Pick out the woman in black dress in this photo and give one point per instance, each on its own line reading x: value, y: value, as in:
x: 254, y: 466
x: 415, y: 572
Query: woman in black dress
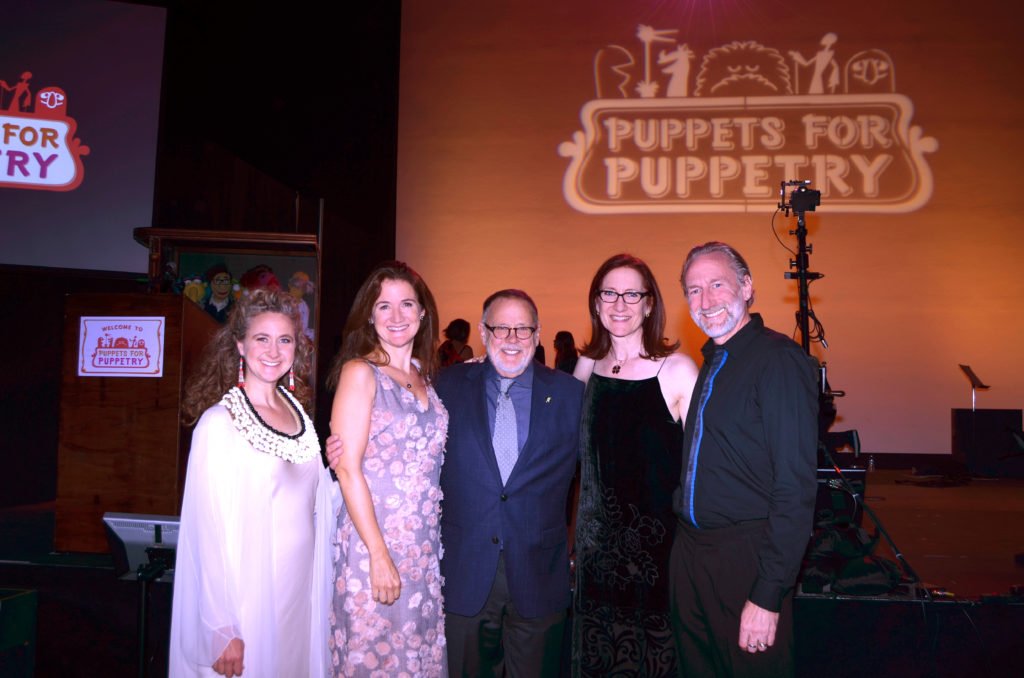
x: 638, y: 391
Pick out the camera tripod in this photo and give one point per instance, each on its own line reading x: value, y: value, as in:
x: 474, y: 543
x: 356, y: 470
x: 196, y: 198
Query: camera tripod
x: 803, y: 199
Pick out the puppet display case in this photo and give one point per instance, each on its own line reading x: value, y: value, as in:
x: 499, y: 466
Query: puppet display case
x: 195, y: 264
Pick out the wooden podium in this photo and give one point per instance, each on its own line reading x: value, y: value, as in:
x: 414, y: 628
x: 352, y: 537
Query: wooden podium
x: 121, y: 446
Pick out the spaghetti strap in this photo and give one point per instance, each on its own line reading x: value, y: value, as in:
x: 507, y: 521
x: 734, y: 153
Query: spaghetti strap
x: 663, y: 361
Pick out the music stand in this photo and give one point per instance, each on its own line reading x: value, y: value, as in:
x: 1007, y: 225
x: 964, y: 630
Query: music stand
x: 976, y: 384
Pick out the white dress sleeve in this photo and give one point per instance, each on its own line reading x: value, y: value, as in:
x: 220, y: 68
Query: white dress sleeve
x: 205, y: 613
x: 327, y: 508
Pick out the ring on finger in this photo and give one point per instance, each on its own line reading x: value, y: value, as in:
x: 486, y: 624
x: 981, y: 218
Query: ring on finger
x: 761, y: 645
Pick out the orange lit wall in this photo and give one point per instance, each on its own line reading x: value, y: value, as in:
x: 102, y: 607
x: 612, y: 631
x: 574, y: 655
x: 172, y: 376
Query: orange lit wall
x: 921, y: 265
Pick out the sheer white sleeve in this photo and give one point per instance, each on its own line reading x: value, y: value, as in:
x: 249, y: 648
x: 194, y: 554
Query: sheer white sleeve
x: 328, y: 505
x: 206, y: 614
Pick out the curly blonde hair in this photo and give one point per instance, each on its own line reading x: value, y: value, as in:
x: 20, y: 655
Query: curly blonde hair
x: 217, y: 371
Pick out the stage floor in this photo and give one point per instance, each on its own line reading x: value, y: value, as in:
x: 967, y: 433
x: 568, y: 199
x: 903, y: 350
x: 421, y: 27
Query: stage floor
x: 959, y: 538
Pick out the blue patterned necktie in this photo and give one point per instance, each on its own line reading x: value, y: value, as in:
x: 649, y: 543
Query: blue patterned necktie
x: 506, y: 434
x: 717, y: 360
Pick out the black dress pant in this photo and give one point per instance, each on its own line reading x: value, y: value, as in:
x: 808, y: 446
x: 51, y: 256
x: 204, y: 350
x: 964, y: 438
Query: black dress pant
x: 712, y: 572
x: 499, y: 642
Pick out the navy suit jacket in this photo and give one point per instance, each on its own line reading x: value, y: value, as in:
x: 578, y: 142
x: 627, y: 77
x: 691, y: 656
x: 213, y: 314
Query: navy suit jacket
x: 527, y: 515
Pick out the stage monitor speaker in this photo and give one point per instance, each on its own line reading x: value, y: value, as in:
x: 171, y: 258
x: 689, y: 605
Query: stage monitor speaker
x: 984, y: 440
x: 834, y: 504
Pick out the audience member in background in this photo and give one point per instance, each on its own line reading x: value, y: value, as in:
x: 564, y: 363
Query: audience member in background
x: 566, y: 354
x: 455, y: 349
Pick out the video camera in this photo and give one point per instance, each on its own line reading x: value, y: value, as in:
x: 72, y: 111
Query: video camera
x: 801, y: 197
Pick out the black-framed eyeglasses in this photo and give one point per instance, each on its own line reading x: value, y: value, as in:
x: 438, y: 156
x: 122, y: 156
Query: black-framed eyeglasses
x: 630, y: 297
x: 502, y: 332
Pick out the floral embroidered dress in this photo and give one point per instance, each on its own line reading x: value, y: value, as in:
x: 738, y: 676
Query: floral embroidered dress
x: 630, y: 456
x: 402, y: 465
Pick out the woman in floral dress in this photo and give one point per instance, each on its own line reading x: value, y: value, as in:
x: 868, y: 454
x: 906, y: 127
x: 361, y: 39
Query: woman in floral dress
x: 388, y: 616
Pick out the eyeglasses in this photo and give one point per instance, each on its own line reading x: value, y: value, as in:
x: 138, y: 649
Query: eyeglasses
x: 630, y: 297
x: 502, y: 332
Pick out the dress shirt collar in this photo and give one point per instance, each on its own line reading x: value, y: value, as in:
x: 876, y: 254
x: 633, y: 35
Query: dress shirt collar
x: 738, y: 342
x: 524, y: 380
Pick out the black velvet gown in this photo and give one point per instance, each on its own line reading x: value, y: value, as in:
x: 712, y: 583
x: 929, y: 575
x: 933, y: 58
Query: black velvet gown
x: 631, y: 450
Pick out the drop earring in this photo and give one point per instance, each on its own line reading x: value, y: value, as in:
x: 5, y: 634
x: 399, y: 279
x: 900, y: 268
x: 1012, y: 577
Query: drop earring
x: 241, y: 372
x: 291, y: 379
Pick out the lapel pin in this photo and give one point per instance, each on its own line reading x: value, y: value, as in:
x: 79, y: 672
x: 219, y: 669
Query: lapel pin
x: 548, y: 399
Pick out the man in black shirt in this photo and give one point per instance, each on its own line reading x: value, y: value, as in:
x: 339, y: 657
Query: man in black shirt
x: 746, y: 496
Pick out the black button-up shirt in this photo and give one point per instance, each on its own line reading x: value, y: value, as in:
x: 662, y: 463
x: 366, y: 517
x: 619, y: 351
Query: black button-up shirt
x: 758, y: 450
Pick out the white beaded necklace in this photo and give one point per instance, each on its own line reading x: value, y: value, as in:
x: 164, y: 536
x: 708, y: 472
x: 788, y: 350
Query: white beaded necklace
x: 297, y: 449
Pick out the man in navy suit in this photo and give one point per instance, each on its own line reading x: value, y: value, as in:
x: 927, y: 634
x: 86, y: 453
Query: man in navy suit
x: 503, y: 524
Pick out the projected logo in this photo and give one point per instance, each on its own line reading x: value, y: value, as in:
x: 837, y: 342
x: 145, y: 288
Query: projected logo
x: 38, y: 147
x: 664, y: 136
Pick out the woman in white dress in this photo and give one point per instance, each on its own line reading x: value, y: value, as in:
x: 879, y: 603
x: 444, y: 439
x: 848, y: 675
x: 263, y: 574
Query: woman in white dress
x: 252, y: 576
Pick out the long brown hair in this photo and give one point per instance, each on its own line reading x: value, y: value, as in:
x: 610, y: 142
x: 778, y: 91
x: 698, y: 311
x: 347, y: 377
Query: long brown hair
x: 360, y: 338
x: 218, y: 369
x: 655, y: 343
